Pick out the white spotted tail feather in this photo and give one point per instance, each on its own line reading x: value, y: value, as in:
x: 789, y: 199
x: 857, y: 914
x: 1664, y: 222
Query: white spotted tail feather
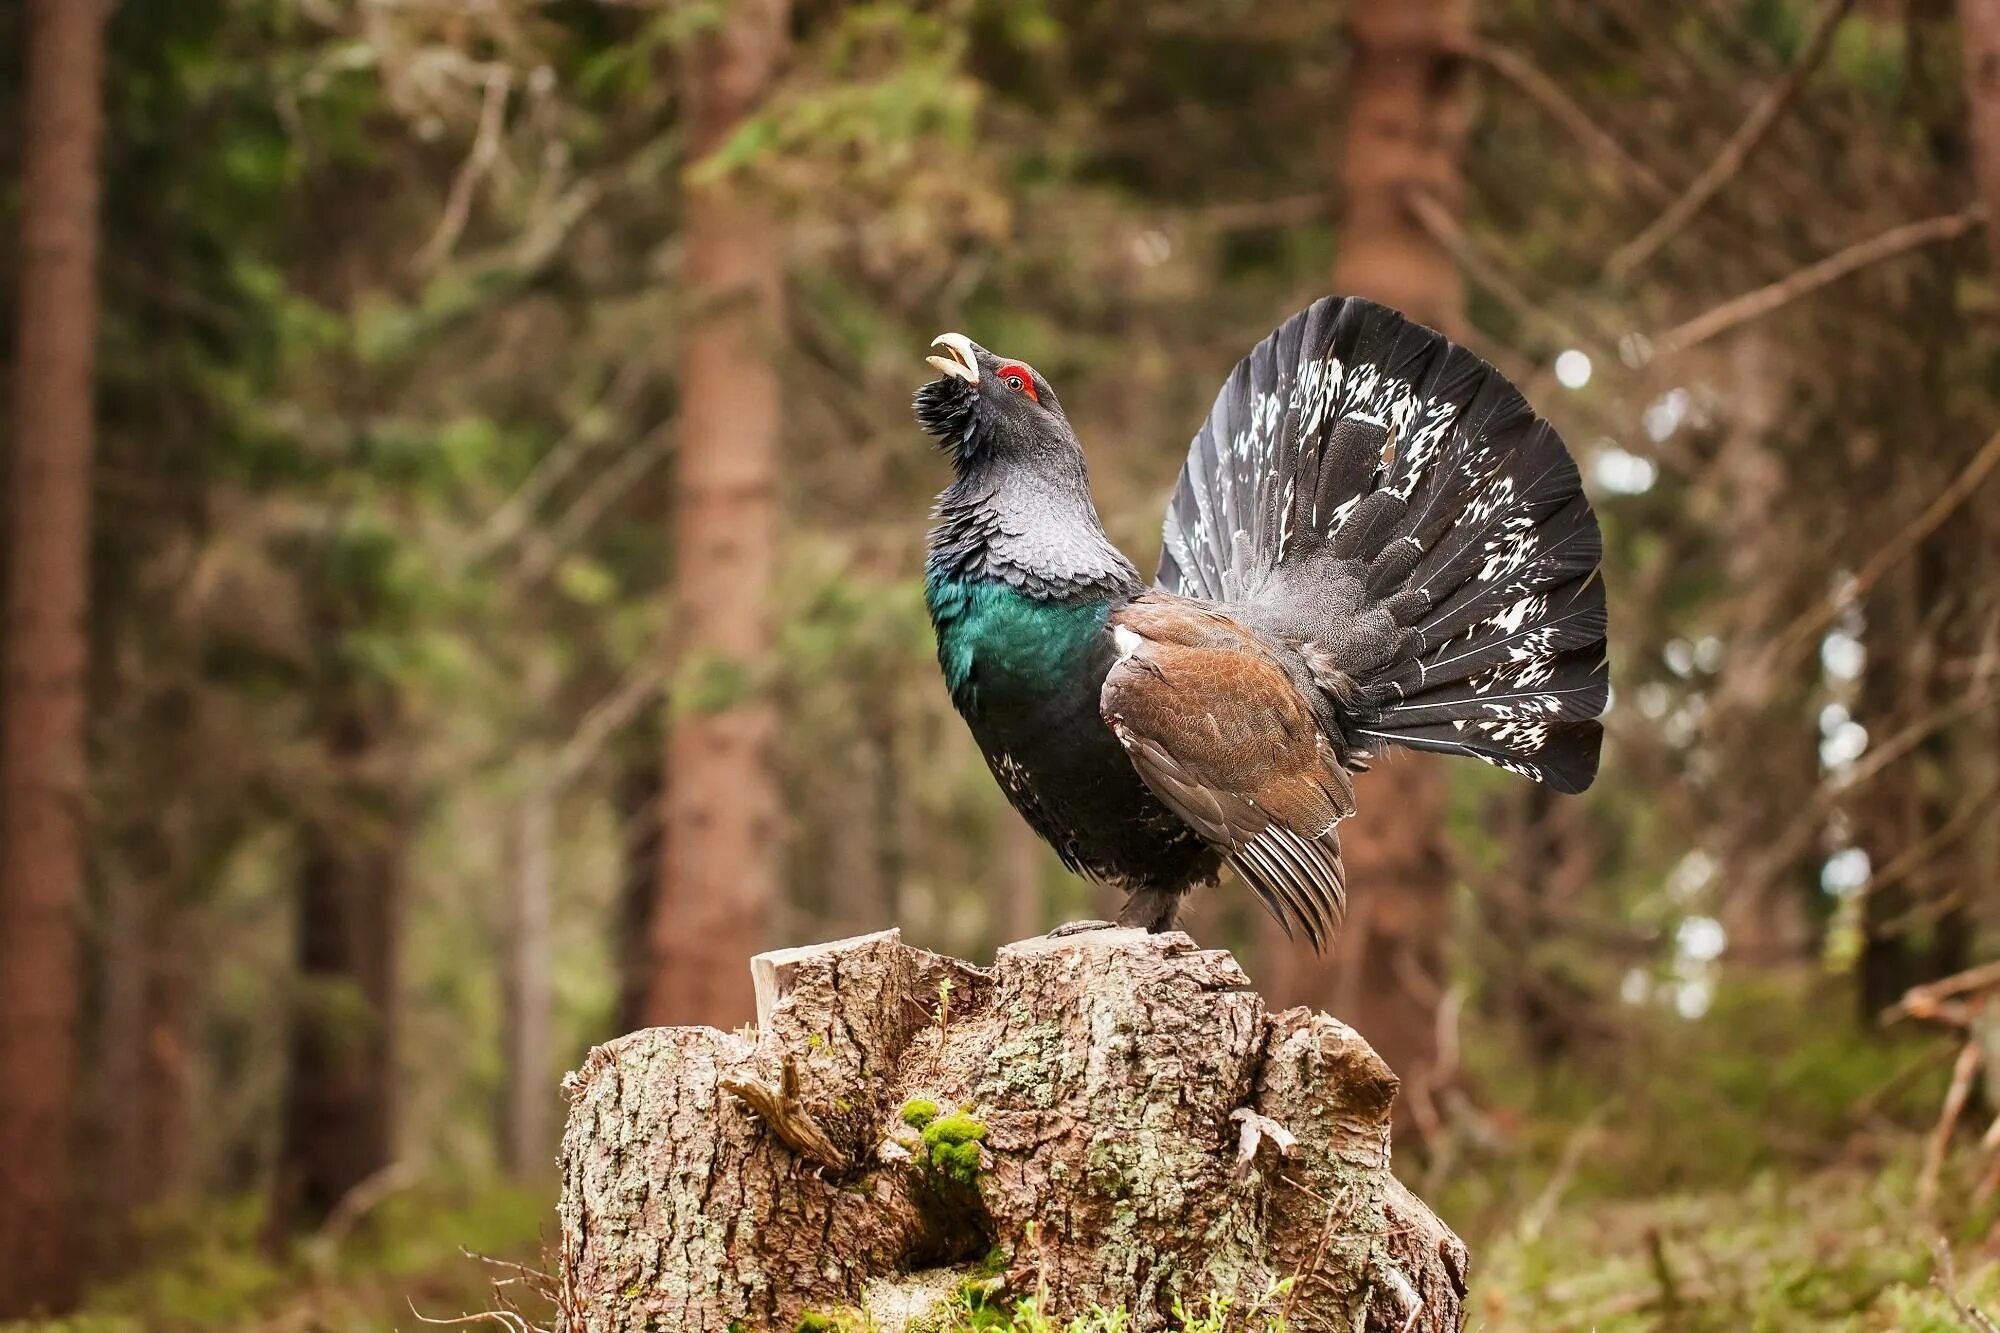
x: 1387, y: 504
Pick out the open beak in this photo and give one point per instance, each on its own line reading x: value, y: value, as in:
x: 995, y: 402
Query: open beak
x: 959, y: 365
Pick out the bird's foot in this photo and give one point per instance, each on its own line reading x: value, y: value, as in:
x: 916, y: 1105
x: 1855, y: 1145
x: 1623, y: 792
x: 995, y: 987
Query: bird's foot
x: 1068, y: 928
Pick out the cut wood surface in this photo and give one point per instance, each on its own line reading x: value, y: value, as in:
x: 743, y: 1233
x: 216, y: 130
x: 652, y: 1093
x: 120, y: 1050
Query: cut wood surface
x: 1107, y: 1118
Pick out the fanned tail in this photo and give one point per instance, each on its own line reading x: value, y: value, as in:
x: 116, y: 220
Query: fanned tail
x: 1388, y: 503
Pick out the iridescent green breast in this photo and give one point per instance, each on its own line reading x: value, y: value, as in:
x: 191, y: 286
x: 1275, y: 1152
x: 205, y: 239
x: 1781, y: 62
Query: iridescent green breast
x: 993, y: 638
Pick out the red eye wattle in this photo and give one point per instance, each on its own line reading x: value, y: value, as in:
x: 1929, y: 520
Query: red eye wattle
x: 1017, y: 377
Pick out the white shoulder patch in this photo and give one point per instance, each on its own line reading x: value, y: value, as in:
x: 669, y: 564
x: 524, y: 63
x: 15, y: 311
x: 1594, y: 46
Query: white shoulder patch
x: 1128, y: 641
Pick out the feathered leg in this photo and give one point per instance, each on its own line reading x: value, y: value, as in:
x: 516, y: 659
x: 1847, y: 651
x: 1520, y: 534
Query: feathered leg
x: 1152, y: 910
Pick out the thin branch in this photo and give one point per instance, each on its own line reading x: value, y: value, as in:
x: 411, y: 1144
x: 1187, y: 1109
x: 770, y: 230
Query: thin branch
x: 1579, y: 1141
x: 1542, y: 90
x: 1486, y: 270
x: 485, y: 150
x: 1924, y: 1001
x: 590, y: 429
x: 1946, y: 1281
x: 1748, y: 138
x: 1934, y: 844
x: 1892, y: 553
x: 1955, y: 1098
x: 1285, y: 211
x: 610, y: 486
x: 606, y: 719
x: 1807, y: 824
x: 1756, y: 304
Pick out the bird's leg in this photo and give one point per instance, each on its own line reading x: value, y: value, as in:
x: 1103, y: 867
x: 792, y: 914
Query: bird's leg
x: 1152, y: 910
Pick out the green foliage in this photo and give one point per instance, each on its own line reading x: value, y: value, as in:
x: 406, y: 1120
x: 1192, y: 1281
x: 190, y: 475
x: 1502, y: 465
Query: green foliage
x: 1690, y: 1106
x: 1836, y: 1250
x: 837, y: 1322
x: 1214, y: 1313
x: 711, y: 684
x: 919, y: 1112
x: 213, y: 1270
x: 310, y: 422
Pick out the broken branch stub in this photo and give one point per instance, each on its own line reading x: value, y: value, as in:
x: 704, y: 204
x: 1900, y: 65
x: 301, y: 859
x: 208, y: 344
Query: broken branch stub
x: 1113, y: 1117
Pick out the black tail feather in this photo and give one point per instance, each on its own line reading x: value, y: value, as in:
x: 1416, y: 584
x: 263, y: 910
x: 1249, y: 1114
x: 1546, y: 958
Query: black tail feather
x: 1367, y: 488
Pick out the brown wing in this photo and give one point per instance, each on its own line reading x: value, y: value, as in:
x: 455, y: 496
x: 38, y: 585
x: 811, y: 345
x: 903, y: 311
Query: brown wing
x: 1218, y: 732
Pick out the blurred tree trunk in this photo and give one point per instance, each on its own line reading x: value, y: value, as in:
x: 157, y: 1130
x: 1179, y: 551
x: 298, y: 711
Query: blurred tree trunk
x: 531, y: 1082
x: 636, y: 800
x: 1405, y: 134
x: 1021, y: 858
x: 339, y: 1098
x: 1765, y: 918
x: 145, y: 1008
x: 42, y: 761
x: 719, y: 868
x: 1979, y: 37
x: 885, y: 906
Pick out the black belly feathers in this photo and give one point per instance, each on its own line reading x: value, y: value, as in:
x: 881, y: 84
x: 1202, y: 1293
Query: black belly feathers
x: 1374, y: 541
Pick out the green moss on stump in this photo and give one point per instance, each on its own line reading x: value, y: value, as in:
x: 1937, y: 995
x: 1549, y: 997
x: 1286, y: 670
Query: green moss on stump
x: 953, y: 1143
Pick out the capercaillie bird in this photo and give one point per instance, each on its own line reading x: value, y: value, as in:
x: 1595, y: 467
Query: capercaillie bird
x: 1374, y: 541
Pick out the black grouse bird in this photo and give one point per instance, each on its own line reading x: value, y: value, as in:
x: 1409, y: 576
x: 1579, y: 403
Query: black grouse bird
x: 1374, y: 541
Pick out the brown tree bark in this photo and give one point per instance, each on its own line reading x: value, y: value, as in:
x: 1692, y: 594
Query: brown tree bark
x: 1405, y: 135
x: 339, y: 1112
x: 1112, y: 1082
x: 636, y: 799
x: 720, y: 864
x: 141, y: 1041
x: 1020, y: 911
x: 42, y: 675
x: 529, y: 1112
x: 1979, y: 39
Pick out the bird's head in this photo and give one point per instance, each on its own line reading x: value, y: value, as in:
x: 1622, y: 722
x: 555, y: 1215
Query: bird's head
x: 984, y: 406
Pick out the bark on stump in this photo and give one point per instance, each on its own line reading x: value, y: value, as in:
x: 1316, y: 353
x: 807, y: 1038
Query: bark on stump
x: 716, y: 1181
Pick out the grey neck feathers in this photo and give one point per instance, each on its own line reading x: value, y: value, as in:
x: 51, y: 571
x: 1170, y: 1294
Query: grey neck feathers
x: 1033, y: 528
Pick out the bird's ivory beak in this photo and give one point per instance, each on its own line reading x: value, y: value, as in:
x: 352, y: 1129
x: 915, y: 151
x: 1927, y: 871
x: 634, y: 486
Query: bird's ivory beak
x: 959, y: 365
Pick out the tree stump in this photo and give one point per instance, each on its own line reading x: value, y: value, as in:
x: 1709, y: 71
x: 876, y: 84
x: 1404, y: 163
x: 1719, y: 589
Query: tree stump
x: 1107, y: 1118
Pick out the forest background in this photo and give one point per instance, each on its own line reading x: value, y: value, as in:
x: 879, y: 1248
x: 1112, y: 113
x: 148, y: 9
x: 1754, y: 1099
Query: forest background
x: 463, y: 550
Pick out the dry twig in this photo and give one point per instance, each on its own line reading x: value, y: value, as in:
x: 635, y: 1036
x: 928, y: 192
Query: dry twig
x: 1751, y: 305
x: 1890, y: 554
x: 1945, y: 1279
x: 1546, y: 93
x: 485, y: 150
x: 1954, y: 1104
x: 781, y: 1109
x: 1749, y: 136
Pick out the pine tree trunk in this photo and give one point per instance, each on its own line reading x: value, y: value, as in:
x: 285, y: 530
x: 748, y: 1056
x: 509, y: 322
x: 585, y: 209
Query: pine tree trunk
x: 1979, y: 38
x: 43, y: 674
x: 529, y: 1108
x: 1022, y: 858
x: 1405, y: 135
x: 140, y: 1039
x: 1889, y: 815
x: 719, y: 874
x: 1109, y: 1082
x: 339, y: 1102
x: 636, y: 800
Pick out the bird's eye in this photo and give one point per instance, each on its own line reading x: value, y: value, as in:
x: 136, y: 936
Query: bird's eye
x: 1018, y: 379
